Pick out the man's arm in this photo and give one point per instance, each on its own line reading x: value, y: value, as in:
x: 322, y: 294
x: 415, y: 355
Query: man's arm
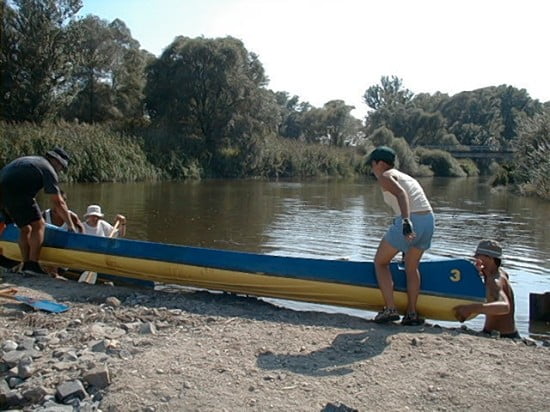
x: 498, y: 307
x: 76, y: 221
x: 60, y: 206
x: 391, y: 185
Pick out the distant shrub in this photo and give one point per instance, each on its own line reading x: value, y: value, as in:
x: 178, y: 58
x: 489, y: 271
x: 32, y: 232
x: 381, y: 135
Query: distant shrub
x: 407, y: 159
x: 469, y: 167
x: 289, y: 158
x: 441, y: 162
x: 532, y: 161
x: 381, y: 137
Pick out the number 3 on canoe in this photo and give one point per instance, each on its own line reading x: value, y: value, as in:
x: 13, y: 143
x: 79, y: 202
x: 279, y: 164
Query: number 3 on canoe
x: 455, y: 275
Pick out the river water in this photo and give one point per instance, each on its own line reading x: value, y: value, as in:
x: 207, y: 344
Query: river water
x: 333, y: 219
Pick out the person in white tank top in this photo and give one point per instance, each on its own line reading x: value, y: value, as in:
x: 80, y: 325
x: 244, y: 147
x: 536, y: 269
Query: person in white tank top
x: 94, y: 224
x: 51, y: 217
x: 411, y: 233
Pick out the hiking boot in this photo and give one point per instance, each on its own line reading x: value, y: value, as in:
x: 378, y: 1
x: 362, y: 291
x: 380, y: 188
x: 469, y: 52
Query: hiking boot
x: 412, y: 319
x: 387, y: 315
x: 33, y: 268
x: 7, y: 262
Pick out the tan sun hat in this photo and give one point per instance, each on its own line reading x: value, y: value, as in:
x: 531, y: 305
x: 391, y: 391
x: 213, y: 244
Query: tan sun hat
x: 94, y: 210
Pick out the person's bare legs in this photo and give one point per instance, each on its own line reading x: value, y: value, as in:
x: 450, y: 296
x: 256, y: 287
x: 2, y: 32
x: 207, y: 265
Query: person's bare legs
x: 31, y: 239
x: 382, y: 259
x: 412, y: 260
x: 24, y: 241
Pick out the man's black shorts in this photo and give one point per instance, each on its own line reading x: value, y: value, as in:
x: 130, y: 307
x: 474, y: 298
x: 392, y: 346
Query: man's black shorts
x: 21, y: 210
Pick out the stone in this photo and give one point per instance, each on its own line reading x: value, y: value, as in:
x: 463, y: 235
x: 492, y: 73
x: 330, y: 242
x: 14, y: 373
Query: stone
x: 15, y: 381
x: 98, y: 377
x: 35, y: 394
x: 9, y: 346
x: 112, y: 302
x: 27, y: 343
x: 24, y: 371
x: 69, y: 390
x: 148, y: 329
x: 12, y: 358
x: 99, y: 346
x: 14, y: 398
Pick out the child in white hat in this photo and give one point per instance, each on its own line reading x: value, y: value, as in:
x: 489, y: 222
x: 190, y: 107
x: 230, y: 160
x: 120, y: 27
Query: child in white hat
x: 94, y: 224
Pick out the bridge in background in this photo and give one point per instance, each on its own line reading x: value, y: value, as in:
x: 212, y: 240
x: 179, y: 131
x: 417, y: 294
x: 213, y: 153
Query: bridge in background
x: 475, y: 152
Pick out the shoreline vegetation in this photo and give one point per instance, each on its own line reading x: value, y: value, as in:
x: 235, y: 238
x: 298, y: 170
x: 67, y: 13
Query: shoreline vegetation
x: 203, y: 108
x: 116, y: 156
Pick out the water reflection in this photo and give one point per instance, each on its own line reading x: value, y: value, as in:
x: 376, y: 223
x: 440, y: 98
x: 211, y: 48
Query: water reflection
x: 331, y: 219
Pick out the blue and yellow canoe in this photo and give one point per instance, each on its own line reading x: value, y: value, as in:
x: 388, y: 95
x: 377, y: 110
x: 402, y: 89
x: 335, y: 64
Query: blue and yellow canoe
x: 445, y: 283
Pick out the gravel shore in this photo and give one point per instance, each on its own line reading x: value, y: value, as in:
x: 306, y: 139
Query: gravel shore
x: 128, y: 349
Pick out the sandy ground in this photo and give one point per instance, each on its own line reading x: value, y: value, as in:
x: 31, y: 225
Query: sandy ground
x: 220, y: 352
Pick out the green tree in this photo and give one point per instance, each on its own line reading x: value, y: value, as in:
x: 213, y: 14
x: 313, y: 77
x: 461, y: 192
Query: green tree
x: 212, y: 91
x: 109, y: 78
x: 388, y: 93
x: 35, y: 57
x: 341, y: 126
x: 292, y: 113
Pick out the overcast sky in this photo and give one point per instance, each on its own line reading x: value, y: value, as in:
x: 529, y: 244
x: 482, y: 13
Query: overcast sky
x: 323, y: 50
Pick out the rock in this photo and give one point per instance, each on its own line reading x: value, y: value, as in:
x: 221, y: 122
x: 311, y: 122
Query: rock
x: 97, y: 331
x: 27, y: 343
x: 131, y: 326
x: 529, y: 341
x: 35, y: 394
x: 340, y: 407
x: 12, y: 358
x: 9, y: 346
x: 70, y: 390
x: 24, y: 371
x: 148, y: 329
x: 4, y: 390
x: 15, y: 381
x: 112, y: 302
x: 14, y: 398
x: 51, y: 406
x: 98, y: 377
x: 99, y: 346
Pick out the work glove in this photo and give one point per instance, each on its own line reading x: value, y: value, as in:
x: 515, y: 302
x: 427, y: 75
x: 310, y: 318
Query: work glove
x: 407, y: 227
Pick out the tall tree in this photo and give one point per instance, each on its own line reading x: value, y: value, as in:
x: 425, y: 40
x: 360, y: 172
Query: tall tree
x: 34, y: 61
x: 388, y: 93
x: 340, y: 124
x: 211, y: 90
x: 109, y: 76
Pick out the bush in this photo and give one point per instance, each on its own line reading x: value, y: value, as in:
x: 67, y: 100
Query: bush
x: 97, y: 153
x: 469, y: 167
x: 289, y: 158
x: 441, y: 162
x: 532, y: 162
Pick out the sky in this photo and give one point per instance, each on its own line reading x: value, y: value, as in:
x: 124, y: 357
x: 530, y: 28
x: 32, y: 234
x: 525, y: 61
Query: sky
x: 323, y: 50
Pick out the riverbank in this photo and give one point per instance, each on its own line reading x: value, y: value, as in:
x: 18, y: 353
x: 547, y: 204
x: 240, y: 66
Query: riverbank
x: 124, y: 349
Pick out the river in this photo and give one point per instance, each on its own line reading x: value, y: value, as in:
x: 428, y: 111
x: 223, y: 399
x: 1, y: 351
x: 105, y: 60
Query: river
x: 333, y: 219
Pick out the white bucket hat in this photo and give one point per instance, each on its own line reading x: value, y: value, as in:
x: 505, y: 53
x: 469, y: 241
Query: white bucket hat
x: 94, y: 210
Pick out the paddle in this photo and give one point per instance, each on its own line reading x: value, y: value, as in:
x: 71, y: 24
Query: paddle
x: 89, y: 276
x: 39, y: 304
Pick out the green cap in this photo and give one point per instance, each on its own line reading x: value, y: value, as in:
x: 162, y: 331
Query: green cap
x: 383, y: 153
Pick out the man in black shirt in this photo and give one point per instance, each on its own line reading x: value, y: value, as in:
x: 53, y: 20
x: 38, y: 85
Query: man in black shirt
x: 20, y: 181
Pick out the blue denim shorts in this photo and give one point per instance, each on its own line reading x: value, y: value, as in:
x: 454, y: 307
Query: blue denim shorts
x: 423, y: 225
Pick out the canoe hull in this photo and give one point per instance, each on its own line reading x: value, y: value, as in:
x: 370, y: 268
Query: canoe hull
x: 445, y: 283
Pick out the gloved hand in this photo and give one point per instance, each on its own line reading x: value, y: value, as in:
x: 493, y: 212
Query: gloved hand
x: 408, y: 228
